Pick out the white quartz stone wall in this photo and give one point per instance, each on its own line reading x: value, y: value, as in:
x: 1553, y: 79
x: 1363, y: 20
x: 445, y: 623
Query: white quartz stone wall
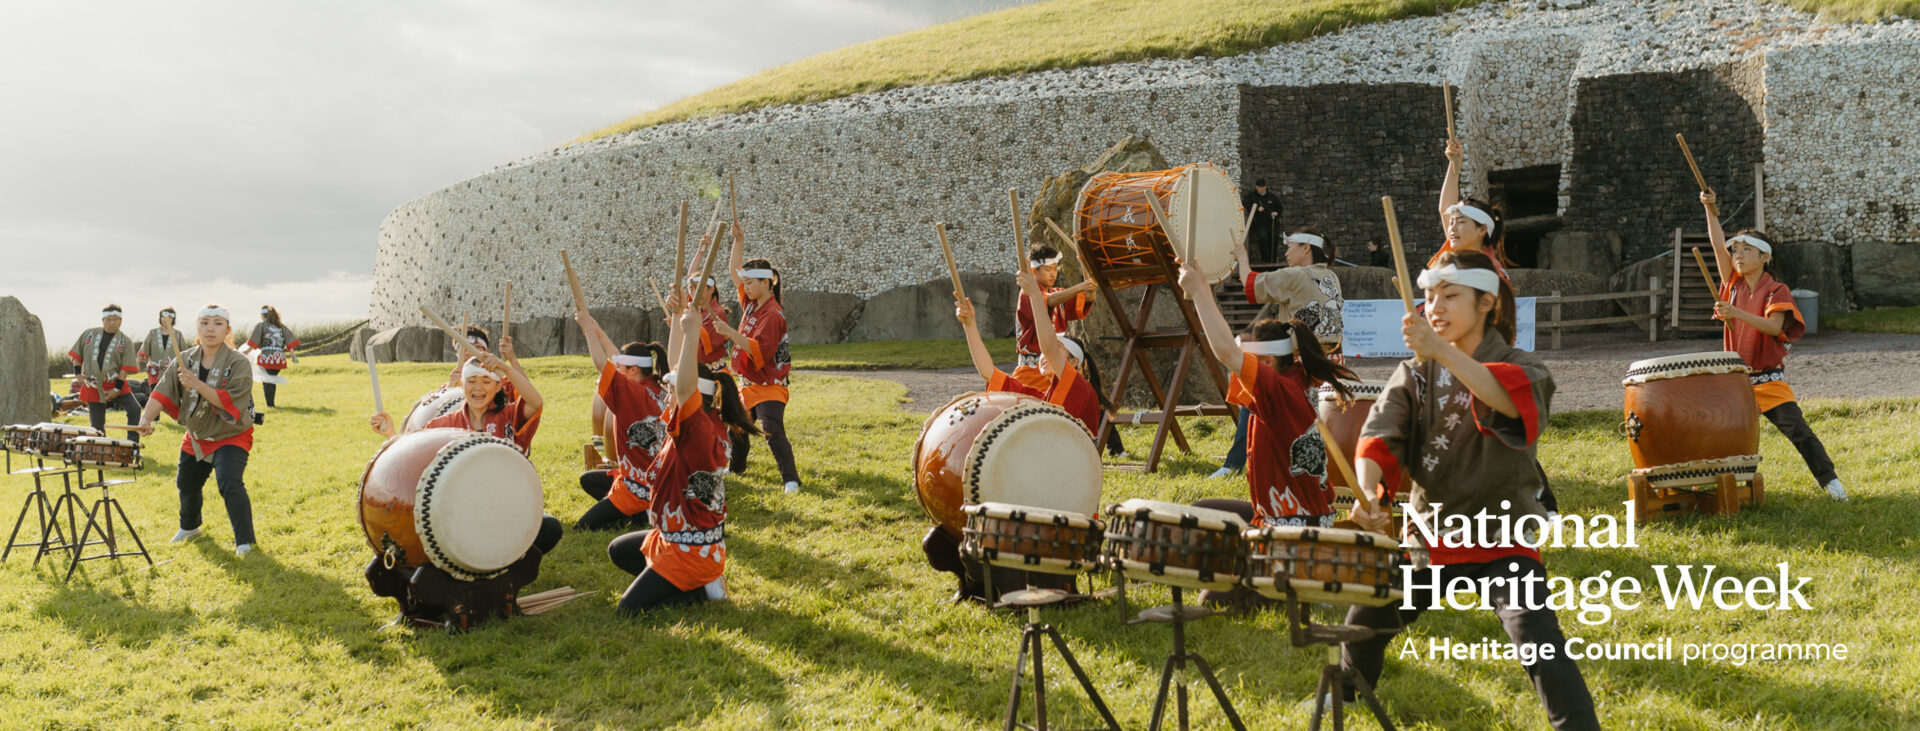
x: 1843, y: 142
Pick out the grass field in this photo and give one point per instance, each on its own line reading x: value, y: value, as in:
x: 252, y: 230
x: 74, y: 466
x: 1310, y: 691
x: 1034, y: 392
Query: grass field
x: 916, y: 355
x: 1901, y: 320
x: 1066, y: 34
x: 837, y: 622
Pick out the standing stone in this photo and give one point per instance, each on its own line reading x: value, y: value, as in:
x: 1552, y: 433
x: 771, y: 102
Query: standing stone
x: 23, y: 366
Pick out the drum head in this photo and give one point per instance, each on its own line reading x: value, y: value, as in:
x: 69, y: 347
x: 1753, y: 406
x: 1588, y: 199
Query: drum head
x: 1163, y: 512
x: 479, y: 505
x: 1036, y: 455
x: 1685, y: 364
x: 1361, y: 390
x: 1219, y: 224
x: 432, y: 406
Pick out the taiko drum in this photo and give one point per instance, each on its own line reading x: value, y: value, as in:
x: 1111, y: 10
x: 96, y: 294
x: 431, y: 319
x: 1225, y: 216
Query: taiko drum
x: 1117, y: 231
x: 1686, y: 408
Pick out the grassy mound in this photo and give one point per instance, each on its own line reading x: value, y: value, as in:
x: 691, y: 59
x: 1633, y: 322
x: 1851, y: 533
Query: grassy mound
x: 837, y: 622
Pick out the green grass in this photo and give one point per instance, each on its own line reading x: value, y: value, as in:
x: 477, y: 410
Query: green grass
x: 919, y: 355
x: 1857, y: 10
x: 1905, y: 320
x: 1052, y: 35
x: 837, y: 622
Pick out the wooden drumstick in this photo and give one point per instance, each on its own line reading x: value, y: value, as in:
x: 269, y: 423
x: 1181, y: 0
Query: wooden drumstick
x: 1446, y: 93
x: 947, y: 249
x: 1702, y: 263
x: 656, y: 294
x: 1401, y: 281
x: 506, y: 315
x: 573, y: 282
x: 1339, y: 457
x: 1697, y: 177
x: 1072, y: 245
x: 466, y: 348
x: 1193, y: 210
x: 1019, y: 237
x: 706, y: 272
x: 373, y: 374
x: 680, y: 255
x: 733, y: 203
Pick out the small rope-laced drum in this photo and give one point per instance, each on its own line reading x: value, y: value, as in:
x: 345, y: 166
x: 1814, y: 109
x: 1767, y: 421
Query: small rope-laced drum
x: 432, y: 406
x: 1031, y: 539
x: 1119, y: 234
x: 1332, y: 565
x: 466, y: 502
x: 1691, y: 418
x: 104, y: 452
x: 998, y: 447
x: 50, y: 440
x: 1174, y: 544
x: 15, y: 437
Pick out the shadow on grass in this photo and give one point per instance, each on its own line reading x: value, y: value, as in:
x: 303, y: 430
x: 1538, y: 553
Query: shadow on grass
x: 122, y: 617
x: 300, y: 410
x: 299, y: 602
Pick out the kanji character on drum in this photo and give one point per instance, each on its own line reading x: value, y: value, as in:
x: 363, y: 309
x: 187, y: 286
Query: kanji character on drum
x: 157, y: 348
x: 760, y: 358
x: 1064, y: 305
x: 683, y: 557
x: 1061, y: 361
x: 273, y: 344
x: 1761, y: 321
x: 1463, y: 420
x: 630, y: 386
x: 487, y: 410
x: 210, y: 393
x: 102, y: 357
x: 1273, y: 365
x: 1305, y: 290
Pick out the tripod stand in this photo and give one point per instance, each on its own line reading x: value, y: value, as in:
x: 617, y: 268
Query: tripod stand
x: 1334, y: 677
x: 1030, y: 636
x: 1177, y: 614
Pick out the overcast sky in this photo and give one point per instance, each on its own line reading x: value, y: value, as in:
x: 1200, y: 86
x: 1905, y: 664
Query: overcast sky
x: 177, y: 153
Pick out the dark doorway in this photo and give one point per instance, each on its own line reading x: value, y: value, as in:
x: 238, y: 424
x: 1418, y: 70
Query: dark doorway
x: 1530, y: 199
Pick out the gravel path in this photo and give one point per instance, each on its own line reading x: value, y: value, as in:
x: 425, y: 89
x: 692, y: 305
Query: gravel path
x: 1587, y: 371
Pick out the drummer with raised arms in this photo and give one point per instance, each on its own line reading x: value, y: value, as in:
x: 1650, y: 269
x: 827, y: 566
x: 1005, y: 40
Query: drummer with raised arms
x: 631, y: 387
x: 210, y: 393
x: 1061, y: 361
x: 683, y: 558
x: 486, y: 409
x: 1463, y: 420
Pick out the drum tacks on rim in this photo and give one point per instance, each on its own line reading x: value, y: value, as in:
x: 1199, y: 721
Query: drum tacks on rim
x: 466, y: 502
x: 1690, y: 418
x: 1174, y: 544
x: 999, y: 447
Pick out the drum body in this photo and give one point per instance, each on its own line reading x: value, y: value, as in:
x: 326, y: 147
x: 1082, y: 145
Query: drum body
x: 1174, y: 544
x: 1031, y: 539
x: 1345, y: 419
x: 442, y: 401
x: 1003, y: 447
x: 1118, y: 233
x: 1324, y: 564
x: 1690, y: 418
x: 48, y: 439
x: 104, y: 452
x: 466, y: 502
x: 16, y: 437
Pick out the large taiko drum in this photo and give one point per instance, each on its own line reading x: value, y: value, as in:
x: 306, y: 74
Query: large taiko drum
x: 1691, y: 418
x: 1332, y: 565
x: 1117, y: 230
x: 466, y: 502
x: 442, y: 401
x: 998, y: 447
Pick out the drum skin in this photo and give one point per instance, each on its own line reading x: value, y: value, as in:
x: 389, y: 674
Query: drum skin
x: 1708, y: 416
x: 439, y: 402
x: 940, y: 454
x: 387, y: 491
x: 1117, y: 229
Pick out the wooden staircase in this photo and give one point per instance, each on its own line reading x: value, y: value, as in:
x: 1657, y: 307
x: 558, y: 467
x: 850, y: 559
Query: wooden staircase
x: 1691, y: 315
x: 1231, y: 293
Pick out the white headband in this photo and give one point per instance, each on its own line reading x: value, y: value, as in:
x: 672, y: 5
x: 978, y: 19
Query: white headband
x: 110, y: 312
x: 473, y: 368
x: 220, y: 312
x: 1308, y: 239
x: 1473, y: 212
x: 707, y: 386
x: 1046, y: 262
x: 477, y: 341
x: 1484, y: 280
x: 264, y: 310
x: 637, y: 361
x: 1279, y: 348
x: 1763, y: 246
x: 1073, y: 349
x: 696, y: 280
x: 753, y: 274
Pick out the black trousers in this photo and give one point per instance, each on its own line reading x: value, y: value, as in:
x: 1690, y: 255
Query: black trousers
x: 648, y: 589
x: 550, y: 534
x: 1557, y: 681
x: 1793, y: 425
x: 772, y: 418
x: 604, y: 515
x: 97, y: 413
x: 229, y: 468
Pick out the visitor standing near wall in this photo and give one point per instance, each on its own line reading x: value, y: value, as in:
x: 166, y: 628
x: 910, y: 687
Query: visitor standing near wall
x: 1266, y: 226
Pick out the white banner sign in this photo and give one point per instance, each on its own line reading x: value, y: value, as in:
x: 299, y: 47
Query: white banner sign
x: 1373, y: 327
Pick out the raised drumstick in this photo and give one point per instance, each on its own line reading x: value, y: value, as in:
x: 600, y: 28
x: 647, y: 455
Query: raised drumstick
x: 706, y: 272
x: 947, y: 249
x: 373, y: 374
x: 573, y: 282
x: 1702, y: 263
x: 1019, y: 237
x: 1446, y: 93
x: 1403, y: 280
x: 506, y: 315
x: 1072, y: 245
x: 680, y: 255
x: 466, y: 348
x: 1697, y: 177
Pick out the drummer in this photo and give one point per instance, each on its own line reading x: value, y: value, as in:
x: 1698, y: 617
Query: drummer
x: 1273, y: 365
x: 478, y: 337
x: 683, y: 559
x: 1762, y: 321
x: 210, y: 393
x: 102, y: 357
x: 1463, y: 420
x: 487, y: 409
x: 630, y: 385
x: 158, y: 347
x: 1305, y: 290
x: 1061, y: 359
